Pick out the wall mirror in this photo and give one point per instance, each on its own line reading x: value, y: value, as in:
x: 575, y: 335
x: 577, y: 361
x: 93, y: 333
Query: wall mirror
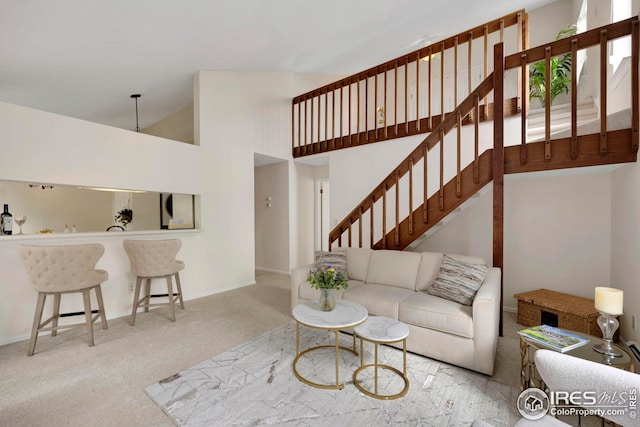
x: 58, y: 208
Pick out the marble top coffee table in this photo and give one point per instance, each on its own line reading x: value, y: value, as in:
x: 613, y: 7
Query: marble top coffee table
x: 382, y: 330
x: 346, y: 314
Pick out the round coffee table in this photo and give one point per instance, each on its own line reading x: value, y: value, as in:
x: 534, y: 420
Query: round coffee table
x: 346, y: 314
x: 382, y: 330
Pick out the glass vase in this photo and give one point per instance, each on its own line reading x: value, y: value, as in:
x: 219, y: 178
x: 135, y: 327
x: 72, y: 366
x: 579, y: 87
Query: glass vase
x: 327, y: 301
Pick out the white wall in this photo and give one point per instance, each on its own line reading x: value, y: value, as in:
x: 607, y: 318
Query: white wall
x: 177, y: 126
x: 49, y: 148
x: 625, y: 244
x: 271, y: 198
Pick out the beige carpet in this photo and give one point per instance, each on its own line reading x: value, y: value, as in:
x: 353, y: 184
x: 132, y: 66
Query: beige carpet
x: 67, y: 383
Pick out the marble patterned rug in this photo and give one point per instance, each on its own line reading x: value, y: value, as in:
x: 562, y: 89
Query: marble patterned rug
x: 254, y: 384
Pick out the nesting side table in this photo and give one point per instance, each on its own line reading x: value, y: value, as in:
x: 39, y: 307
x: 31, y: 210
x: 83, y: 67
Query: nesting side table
x: 382, y: 330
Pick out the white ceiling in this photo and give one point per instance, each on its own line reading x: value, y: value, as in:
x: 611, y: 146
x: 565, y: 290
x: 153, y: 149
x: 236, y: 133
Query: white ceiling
x: 84, y: 58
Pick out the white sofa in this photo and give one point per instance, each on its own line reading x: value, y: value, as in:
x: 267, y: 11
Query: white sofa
x: 393, y: 283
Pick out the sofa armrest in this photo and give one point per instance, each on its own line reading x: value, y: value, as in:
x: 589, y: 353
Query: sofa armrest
x: 298, y: 276
x: 486, y: 320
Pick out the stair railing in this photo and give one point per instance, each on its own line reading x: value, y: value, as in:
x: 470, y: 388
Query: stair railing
x: 417, y: 177
x: 392, y: 200
x: 597, y: 37
x: 388, y: 101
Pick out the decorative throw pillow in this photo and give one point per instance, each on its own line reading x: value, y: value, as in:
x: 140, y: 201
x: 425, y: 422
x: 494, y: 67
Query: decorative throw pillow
x: 458, y: 280
x: 336, y: 259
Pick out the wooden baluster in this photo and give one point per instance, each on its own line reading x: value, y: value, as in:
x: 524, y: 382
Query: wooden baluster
x: 349, y: 134
x: 333, y: 120
x: 502, y: 31
x: 360, y: 228
x: 425, y: 218
x: 397, y: 227
x: 520, y: 75
x: 306, y: 101
x: 395, y: 99
x: 429, y: 90
x: 635, y: 116
x: 547, y: 102
x: 299, y: 126
x: 358, y: 112
x: 293, y: 129
x: 486, y: 68
x: 523, y: 114
x: 442, y: 83
x: 349, y: 234
x: 476, y: 139
x: 340, y: 237
x: 319, y: 114
x: 384, y: 216
x: 441, y: 195
x: 326, y: 119
x: 410, y: 195
x: 312, y: 117
x: 458, y: 160
x: 375, y: 102
x: 406, y: 97
x: 455, y: 72
x: 341, y: 135
x: 366, y: 109
x: 603, y: 92
x: 418, y: 94
x: 385, y: 103
x: 470, y: 80
x: 371, y: 234
x: 574, y: 101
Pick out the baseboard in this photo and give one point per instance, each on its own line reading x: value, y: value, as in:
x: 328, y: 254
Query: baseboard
x: 270, y: 270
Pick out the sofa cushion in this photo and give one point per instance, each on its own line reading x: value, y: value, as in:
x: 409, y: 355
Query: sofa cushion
x: 379, y: 300
x: 336, y: 259
x: 458, y: 280
x: 430, y: 267
x: 428, y: 311
x: 358, y: 263
x: 394, y: 268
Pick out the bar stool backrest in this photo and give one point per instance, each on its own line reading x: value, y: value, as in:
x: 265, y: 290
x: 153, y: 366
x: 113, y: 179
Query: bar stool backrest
x: 63, y: 268
x: 153, y: 258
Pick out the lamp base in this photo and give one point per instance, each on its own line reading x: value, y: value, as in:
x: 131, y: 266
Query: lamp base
x: 607, y: 349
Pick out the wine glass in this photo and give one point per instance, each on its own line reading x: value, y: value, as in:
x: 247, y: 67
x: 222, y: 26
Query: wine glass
x: 20, y: 220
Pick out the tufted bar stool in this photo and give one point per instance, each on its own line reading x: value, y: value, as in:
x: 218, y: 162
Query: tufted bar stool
x: 57, y: 270
x: 155, y: 259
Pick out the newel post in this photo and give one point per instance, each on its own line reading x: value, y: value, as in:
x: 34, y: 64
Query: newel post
x: 498, y: 166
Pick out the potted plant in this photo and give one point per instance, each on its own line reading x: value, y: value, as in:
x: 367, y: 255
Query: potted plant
x: 124, y: 216
x: 560, y: 72
x: 327, y: 279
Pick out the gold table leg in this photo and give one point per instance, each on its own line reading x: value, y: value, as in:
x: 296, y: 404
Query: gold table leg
x: 336, y: 346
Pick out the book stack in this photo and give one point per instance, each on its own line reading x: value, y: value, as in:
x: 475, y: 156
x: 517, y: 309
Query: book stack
x: 553, y: 338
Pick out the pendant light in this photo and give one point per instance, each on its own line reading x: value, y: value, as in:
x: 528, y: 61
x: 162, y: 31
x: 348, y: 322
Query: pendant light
x: 136, y: 96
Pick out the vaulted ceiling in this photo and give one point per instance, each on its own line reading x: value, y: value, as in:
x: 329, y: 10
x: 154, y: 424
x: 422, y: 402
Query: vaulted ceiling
x: 84, y: 58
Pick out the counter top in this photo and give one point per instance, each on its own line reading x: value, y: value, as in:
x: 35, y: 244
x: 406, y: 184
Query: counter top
x: 101, y: 234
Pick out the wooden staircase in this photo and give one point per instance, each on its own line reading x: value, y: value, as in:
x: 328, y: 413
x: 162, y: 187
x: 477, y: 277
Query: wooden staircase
x: 388, y: 218
x: 424, y: 188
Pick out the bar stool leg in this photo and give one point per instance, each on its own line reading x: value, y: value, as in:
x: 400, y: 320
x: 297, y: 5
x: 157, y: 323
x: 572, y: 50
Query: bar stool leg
x: 136, y: 301
x: 87, y: 314
x: 56, y: 314
x: 147, y: 299
x: 37, y: 317
x: 172, y: 309
x: 103, y: 316
x: 179, y: 290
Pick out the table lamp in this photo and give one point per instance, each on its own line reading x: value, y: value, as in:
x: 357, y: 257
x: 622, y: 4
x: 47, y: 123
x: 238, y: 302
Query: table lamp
x: 608, y: 302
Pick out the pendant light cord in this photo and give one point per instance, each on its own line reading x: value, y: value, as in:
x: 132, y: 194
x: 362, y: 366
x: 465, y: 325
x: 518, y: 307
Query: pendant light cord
x: 136, y: 96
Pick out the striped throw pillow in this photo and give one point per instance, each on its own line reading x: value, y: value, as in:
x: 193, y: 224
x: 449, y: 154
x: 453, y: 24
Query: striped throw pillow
x: 336, y: 259
x: 458, y: 280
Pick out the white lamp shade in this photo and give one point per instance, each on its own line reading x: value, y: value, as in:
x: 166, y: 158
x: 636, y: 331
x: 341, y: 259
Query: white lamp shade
x: 609, y: 300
